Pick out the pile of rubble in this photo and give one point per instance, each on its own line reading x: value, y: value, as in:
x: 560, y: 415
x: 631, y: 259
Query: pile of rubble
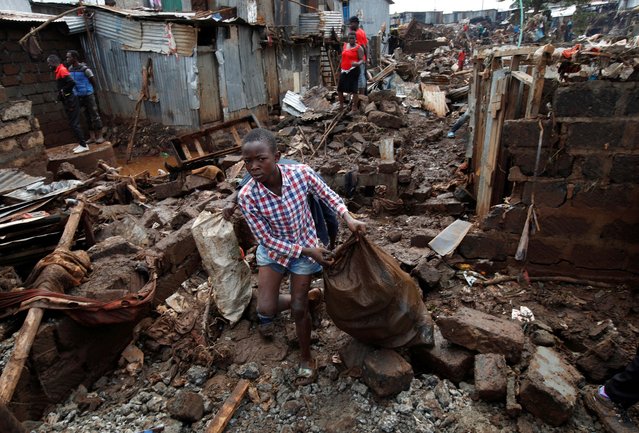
x: 180, y: 366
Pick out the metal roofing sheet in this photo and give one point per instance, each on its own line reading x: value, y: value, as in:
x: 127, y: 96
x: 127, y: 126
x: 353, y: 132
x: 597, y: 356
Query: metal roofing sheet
x: 321, y: 23
x: 74, y: 23
x: 155, y: 38
x: 11, y: 178
x: 126, y: 31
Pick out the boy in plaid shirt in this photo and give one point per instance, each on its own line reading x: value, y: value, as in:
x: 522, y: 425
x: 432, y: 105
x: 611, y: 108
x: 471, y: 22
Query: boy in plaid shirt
x: 276, y: 209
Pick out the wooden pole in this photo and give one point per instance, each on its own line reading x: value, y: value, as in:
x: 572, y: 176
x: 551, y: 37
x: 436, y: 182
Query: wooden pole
x: 144, y: 94
x: 229, y: 407
x: 47, y: 22
x: 26, y: 335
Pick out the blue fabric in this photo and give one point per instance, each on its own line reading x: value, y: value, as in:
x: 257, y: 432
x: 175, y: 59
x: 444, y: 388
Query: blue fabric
x: 300, y: 266
x: 326, y: 223
x: 83, y: 86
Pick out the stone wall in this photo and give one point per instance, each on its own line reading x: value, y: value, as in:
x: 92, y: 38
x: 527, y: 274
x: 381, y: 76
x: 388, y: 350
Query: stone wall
x: 21, y: 141
x: 24, y: 78
x: 587, y: 194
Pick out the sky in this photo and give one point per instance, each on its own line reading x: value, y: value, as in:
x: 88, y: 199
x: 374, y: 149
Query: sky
x: 446, y: 5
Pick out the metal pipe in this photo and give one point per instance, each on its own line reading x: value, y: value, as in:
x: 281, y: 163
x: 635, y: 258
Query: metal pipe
x: 521, y: 22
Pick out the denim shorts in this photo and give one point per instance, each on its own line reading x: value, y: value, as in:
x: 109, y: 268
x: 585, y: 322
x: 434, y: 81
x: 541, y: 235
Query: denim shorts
x: 300, y: 266
x: 362, y: 76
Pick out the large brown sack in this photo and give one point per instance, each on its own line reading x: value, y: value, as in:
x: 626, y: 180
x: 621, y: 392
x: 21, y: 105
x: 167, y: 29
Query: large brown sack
x: 371, y: 298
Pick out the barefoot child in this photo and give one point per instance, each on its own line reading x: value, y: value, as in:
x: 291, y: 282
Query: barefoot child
x: 276, y: 209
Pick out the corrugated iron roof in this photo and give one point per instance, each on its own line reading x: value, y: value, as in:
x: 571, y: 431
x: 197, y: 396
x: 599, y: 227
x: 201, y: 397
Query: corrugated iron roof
x: 321, y: 23
x: 75, y: 24
x: 11, y: 179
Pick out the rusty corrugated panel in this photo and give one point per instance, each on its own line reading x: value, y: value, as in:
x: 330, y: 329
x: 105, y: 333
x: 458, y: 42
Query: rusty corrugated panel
x: 154, y: 38
x: 12, y: 179
x: 75, y: 24
x: 321, y: 23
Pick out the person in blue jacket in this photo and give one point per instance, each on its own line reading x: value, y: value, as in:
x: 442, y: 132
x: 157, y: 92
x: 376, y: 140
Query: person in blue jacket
x: 85, y: 85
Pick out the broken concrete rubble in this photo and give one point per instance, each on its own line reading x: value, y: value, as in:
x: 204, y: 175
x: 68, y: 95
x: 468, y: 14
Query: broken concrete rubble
x: 548, y: 389
x: 483, y: 332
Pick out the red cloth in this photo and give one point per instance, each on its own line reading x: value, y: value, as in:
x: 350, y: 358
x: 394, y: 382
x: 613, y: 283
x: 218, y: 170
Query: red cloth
x: 349, y: 55
x: 361, y: 39
x: 61, y: 71
x: 460, y: 59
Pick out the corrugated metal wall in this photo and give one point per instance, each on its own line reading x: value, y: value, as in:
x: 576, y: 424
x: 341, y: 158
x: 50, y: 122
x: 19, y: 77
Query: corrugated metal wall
x: 174, y: 91
x: 241, y: 73
x: 145, y: 35
x: 371, y: 13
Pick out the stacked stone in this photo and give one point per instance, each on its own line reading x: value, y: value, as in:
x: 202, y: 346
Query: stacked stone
x: 21, y: 141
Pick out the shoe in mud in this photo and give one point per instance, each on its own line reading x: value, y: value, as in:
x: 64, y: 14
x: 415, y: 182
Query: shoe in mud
x: 613, y: 417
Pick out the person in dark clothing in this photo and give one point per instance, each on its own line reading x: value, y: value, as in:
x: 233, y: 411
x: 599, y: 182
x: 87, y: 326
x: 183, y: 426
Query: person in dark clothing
x: 71, y: 103
x: 326, y: 223
x: 611, y: 400
x: 84, y: 89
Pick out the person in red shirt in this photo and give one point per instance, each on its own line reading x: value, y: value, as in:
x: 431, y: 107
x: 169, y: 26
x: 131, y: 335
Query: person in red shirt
x: 70, y: 101
x: 352, y: 59
x: 360, y: 37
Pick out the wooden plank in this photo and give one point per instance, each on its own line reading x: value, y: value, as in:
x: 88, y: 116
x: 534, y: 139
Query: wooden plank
x: 523, y: 77
x: 507, y: 51
x: 494, y: 124
x: 198, y: 147
x: 187, y: 153
x: 537, y: 86
x: 513, y: 89
x: 434, y: 99
x: 236, y: 136
x: 229, y: 407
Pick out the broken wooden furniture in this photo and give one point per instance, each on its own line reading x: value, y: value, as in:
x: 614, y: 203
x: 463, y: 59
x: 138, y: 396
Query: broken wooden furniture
x: 204, y: 147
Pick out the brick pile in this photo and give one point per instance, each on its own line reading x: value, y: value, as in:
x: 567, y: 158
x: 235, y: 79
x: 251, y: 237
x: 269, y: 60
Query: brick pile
x: 21, y: 140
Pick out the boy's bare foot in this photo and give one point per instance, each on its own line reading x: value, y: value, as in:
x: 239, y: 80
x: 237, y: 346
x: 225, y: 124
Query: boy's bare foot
x: 306, y: 373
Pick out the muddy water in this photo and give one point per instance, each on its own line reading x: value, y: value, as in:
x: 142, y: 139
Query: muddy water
x: 141, y: 163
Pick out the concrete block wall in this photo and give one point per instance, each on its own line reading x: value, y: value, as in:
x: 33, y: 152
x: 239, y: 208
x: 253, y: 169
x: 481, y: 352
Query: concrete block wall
x: 587, y: 194
x: 24, y: 78
x: 21, y: 140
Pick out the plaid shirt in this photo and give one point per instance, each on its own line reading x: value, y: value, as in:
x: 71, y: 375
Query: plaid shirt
x: 284, y: 225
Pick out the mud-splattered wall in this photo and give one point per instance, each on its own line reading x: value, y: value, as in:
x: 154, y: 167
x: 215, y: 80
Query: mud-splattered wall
x: 587, y: 192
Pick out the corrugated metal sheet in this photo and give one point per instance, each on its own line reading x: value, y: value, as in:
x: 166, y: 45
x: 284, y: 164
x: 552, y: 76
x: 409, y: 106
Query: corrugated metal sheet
x: 246, y: 9
x: 230, y: 79
x: 16, y: 5
x: 251, y: 67
x: 176, y: 84
x: 372, y: 14
x: 11, y: 179
x: 321, y: 23
x: 154, y: 38
x: 75, y: 24
x: 126, y: 31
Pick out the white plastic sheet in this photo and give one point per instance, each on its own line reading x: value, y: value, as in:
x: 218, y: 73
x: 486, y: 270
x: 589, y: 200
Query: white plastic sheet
x: 228, y: 272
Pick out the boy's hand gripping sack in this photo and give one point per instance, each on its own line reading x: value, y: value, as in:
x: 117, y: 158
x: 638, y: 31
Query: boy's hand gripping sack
x: 371, y: 298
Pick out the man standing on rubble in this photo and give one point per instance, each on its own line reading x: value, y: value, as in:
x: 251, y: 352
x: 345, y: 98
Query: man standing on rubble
x: 276, y: 209
x: 84, y: 89
x: 362, y: 40
x: 71, y: 103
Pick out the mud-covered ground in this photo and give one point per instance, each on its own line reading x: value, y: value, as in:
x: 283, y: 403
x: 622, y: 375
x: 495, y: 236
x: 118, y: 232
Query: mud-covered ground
x: 582, y: 321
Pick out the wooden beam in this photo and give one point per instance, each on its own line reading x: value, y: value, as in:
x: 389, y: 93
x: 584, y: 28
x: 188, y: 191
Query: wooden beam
x: 507, y: 51
x: 538, y: 79
x: 494, y: 123
x: 27, y: 333
x: 229, y: 407
x: 523, y: 77
x: 198, y: 147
